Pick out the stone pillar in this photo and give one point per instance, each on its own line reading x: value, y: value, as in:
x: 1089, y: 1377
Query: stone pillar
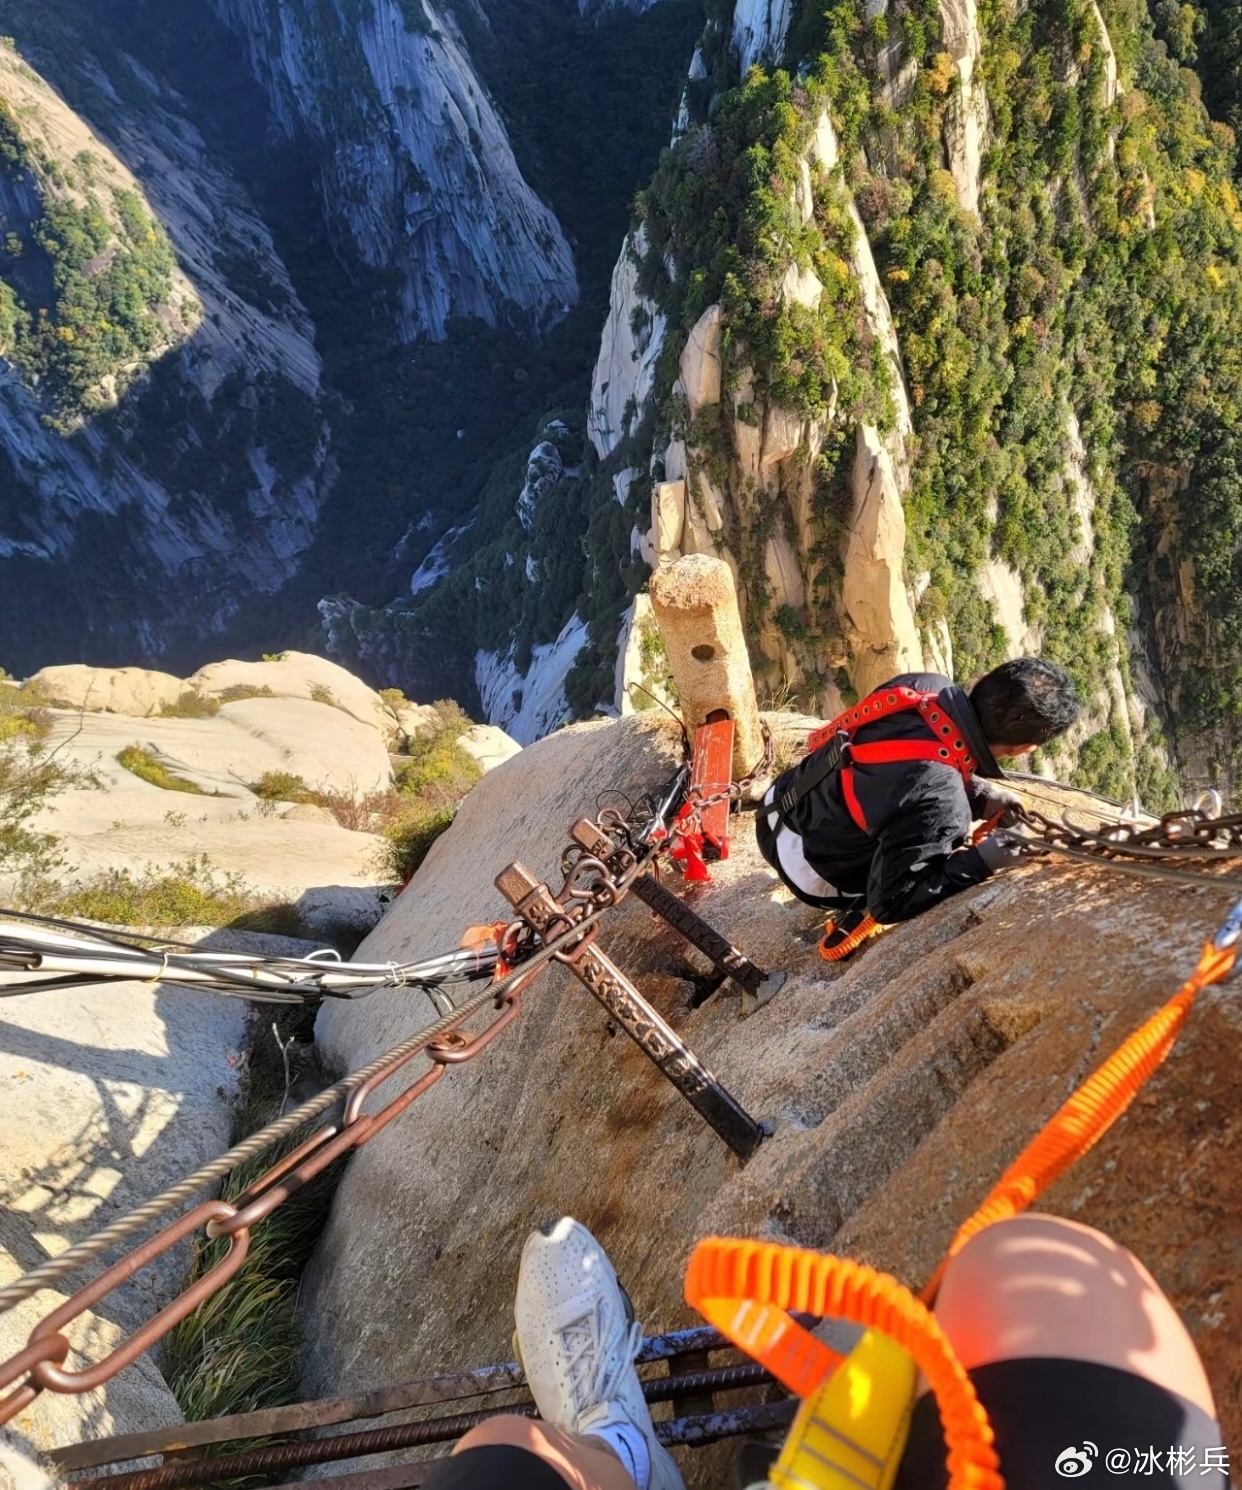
x: 695, y: 602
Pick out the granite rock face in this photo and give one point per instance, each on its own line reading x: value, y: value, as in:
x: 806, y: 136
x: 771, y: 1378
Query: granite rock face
x: 899, y: 1088
x: 419, y: 177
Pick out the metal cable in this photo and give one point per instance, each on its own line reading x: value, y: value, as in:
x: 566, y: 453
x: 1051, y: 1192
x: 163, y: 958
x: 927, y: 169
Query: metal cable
x: 1148, y: 871
x: 69, y: 1261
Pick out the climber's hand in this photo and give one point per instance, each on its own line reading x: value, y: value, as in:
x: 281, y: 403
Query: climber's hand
x: 989, y: 801
x: 1005, y: 849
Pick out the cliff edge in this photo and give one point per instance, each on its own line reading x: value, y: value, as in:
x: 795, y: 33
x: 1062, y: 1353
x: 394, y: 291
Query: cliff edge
x: 898, y: 1089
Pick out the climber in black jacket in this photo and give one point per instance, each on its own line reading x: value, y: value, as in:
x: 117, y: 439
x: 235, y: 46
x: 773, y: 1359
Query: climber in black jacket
x: 883, y: 841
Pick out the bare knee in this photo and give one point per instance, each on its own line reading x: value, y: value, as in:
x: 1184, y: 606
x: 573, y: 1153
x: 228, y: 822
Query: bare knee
x: 1043, y: 1286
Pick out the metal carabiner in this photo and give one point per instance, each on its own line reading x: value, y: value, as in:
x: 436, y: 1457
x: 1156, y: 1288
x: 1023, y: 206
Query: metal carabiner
x: 1230, y: 933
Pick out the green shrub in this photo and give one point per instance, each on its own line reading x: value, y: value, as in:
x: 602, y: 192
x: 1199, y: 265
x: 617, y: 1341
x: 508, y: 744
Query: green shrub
x: 408, y: 841
x: 238, y: 691
x: 284, y: 786
x: 189, y: 894
x: 323, y: 695
x: 145, y: 766
x: 435, y: 766
x: 194, y: 704
x: 31, y: 776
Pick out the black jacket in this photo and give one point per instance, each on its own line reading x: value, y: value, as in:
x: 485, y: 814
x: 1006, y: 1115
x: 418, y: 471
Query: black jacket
x: 916, y: 851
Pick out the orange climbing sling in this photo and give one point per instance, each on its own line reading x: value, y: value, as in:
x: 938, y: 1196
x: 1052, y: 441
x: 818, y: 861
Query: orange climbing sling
x: 833, y: 746
x: 854, y: 1418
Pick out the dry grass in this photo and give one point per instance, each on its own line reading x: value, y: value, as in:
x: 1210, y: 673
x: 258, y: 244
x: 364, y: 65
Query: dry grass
x: 240, y: 1351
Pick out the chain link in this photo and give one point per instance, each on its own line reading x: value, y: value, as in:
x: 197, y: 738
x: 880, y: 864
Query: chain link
x: 591, y: 889
x: 1194, y: 835
x: 1189, y: 833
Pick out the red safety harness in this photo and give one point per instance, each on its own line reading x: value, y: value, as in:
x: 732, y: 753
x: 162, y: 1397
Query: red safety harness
x: 833, y: 743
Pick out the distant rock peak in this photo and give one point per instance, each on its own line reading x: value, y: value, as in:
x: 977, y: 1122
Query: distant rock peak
x: 419, y: 176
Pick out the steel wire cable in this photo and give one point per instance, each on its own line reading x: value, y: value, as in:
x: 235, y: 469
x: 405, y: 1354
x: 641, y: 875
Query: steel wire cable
x: 102, y: 1241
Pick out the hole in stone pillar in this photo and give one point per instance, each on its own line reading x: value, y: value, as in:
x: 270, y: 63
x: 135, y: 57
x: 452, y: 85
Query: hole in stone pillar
x: 717, y: 716
x: 702, y: 653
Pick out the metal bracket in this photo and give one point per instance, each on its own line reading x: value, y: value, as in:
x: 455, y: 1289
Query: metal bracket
x: 599, y: 975
x: 757, y: 987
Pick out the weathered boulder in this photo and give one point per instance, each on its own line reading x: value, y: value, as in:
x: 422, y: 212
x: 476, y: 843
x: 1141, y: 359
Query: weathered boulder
x: 330, y: 749
x: 342, y: 914
x: 128, y: 823
x: 668, y: 516
x: 899, y: 1088
x: 118, y: 690
x: 782, y: 434
x: 489, y: 746
x: 298, y: 675
x: 803, y: 286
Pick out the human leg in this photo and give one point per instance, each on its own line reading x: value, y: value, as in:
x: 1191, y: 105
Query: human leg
x: 577, y: 1339
x: 1069, y: 1342
x: 524, y: 1454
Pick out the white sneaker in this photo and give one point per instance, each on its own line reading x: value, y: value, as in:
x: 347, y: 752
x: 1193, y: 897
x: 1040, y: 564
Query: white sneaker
x: 577, y: 1339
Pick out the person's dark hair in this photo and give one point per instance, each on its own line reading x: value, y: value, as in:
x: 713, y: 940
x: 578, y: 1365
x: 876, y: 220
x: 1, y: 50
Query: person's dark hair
x: 1025, y: 702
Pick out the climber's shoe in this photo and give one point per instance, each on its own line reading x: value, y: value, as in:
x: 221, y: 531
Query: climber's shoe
x: 845, y: 933
x: 576, y: 1339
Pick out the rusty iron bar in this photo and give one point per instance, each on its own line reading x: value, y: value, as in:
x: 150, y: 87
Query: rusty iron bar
x: 592, y: 839
x: 407, y: 1476
x: 331, y: 1411
x: 185, y: 1474
x: 687, y: 1401
x: 610, y: 840
x: 732, y: 1422
x: 690, y: 1432
x: 547, y: 914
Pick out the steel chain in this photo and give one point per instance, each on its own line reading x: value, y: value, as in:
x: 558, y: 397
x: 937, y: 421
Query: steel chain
x: 591, y: 889
x: 1191, y: 835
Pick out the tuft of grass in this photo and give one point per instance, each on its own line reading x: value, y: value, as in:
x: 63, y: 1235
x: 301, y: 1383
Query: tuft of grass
x: 145, y: 766
x: 284, y: 786
x: 408, y: 841
x: 238, y: 691
x: 192, y: 705
x: 189, y: 894
x: 323, y: 695
x: 240, y: 1350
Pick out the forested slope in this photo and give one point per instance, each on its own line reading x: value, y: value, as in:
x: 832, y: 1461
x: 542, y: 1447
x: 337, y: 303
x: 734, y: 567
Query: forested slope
x: 930, y: 324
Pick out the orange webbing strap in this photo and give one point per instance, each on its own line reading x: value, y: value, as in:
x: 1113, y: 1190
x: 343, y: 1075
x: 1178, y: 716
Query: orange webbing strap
x: 1093, y: 1108
x: 744, y: 1289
